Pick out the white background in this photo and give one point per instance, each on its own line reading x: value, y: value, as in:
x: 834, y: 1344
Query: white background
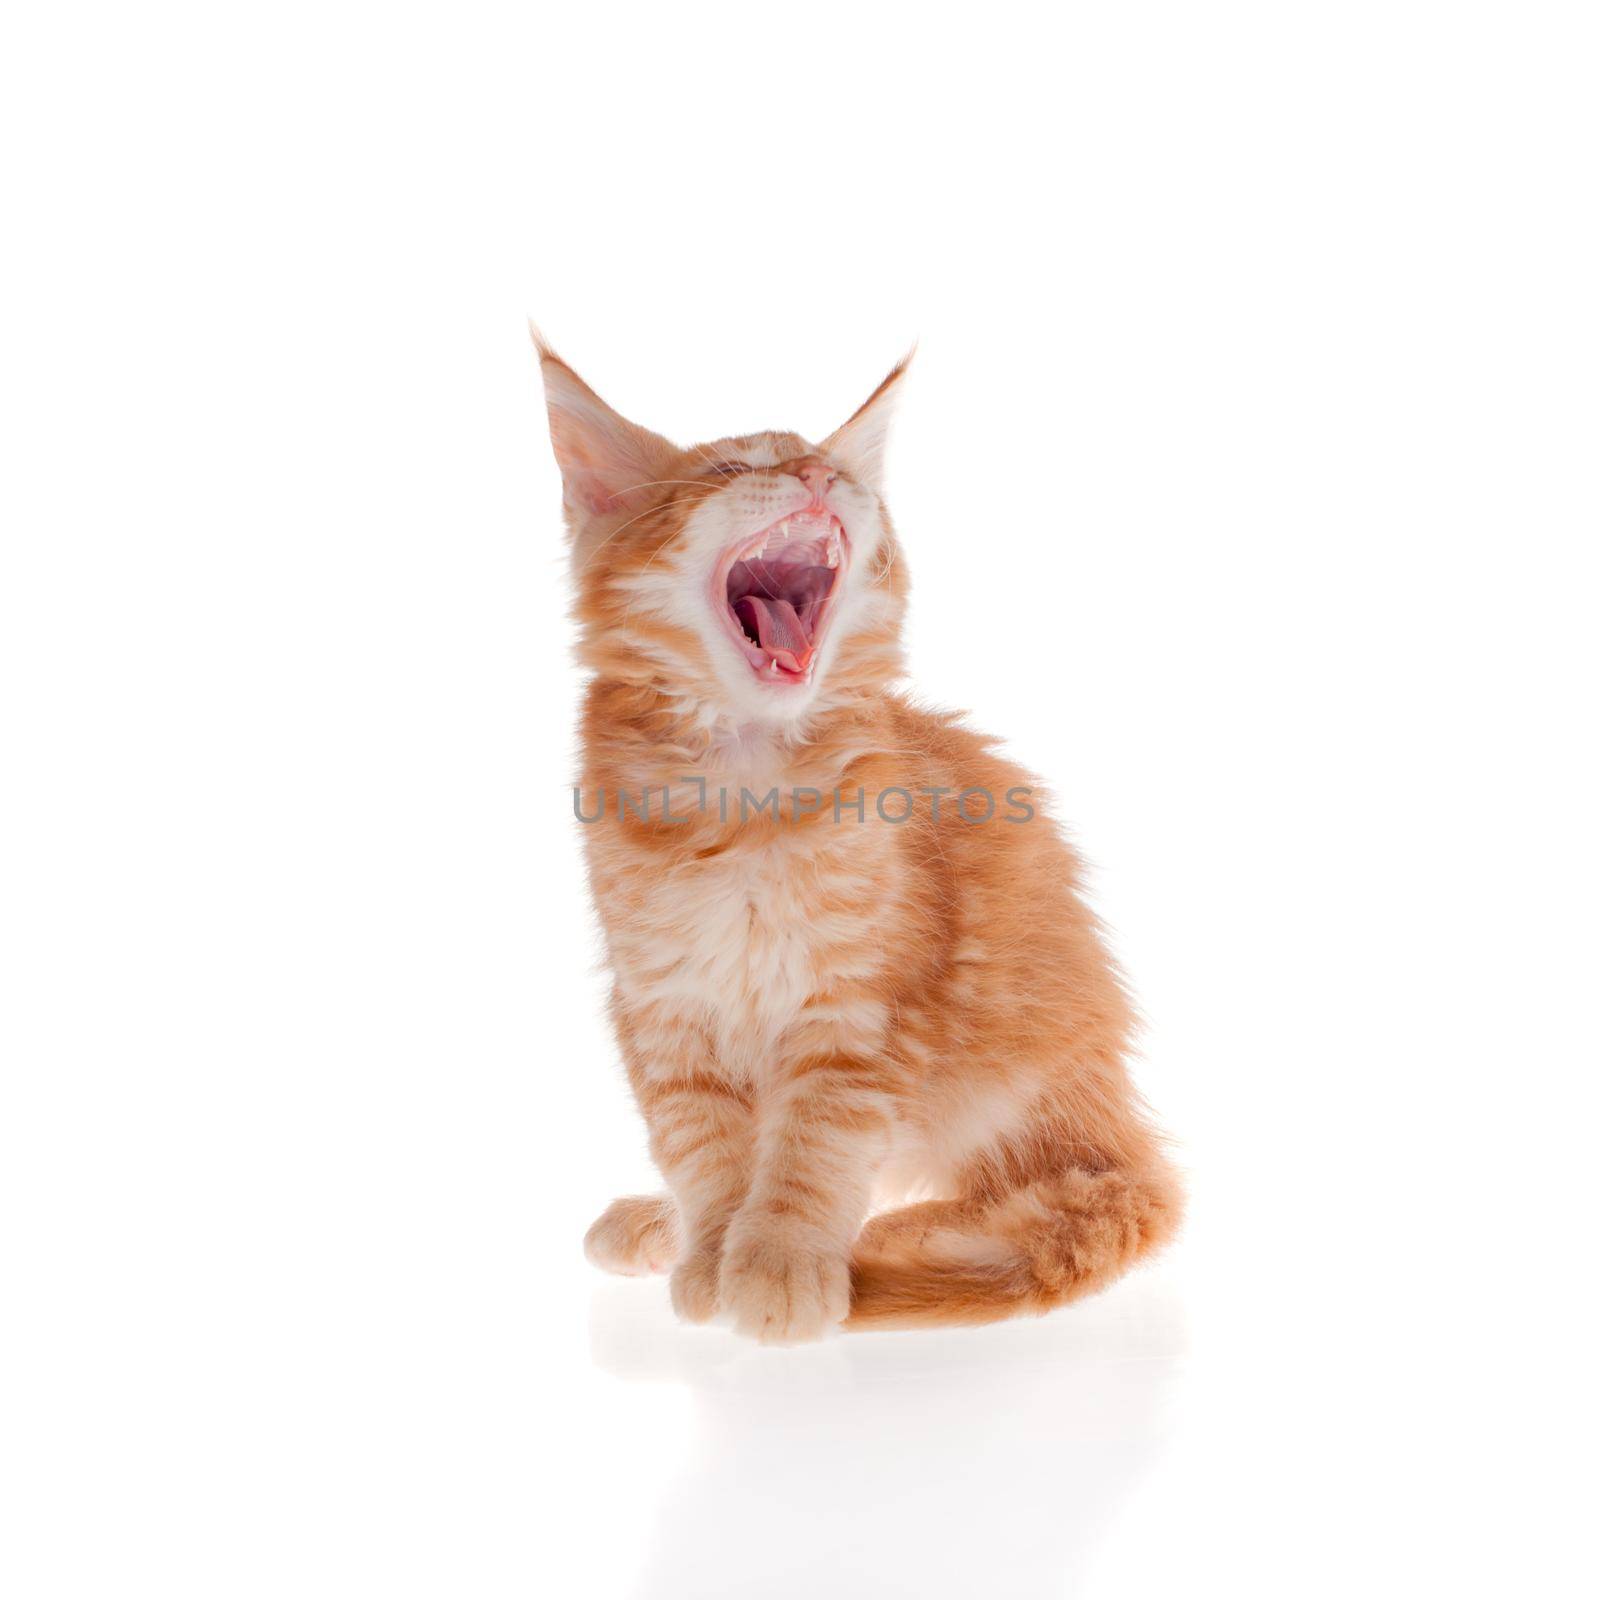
x: 1248, y: 477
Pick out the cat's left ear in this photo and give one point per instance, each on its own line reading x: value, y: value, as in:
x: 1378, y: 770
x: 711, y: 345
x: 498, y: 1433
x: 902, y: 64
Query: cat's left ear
x: 859, y: 446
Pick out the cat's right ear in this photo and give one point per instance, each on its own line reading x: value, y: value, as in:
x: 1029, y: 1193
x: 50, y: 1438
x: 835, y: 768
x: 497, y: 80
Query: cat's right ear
x: 859, y: 445
x: 601, y: 454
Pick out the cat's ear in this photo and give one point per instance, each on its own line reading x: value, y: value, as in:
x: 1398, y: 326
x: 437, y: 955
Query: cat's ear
x: 859, y: 445
x: 601, y: 454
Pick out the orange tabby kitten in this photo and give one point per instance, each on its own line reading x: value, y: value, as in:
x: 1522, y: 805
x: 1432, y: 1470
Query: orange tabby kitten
x: 851, y: 965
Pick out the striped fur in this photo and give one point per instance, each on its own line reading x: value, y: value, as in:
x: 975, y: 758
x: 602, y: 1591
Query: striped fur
x: 822, y: 1016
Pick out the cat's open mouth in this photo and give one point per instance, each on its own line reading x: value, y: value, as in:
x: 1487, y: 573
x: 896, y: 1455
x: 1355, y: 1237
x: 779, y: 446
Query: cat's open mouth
x: 775, y: 592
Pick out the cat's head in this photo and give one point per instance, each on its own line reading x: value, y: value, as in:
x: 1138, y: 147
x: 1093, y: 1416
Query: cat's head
x: 755, y: 578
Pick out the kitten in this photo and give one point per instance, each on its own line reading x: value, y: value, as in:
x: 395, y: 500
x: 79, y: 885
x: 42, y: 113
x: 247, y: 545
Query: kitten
x: 878, y: 982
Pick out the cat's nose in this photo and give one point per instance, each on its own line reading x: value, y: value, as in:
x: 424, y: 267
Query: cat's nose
x: 815, y: 474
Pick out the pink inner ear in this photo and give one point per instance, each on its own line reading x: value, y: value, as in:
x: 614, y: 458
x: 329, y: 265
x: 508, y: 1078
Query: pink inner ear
x: 598, y: 456
x: 589, y: 489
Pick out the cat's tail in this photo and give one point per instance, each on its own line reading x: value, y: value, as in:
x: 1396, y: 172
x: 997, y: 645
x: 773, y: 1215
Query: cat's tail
x: 978, y: 1260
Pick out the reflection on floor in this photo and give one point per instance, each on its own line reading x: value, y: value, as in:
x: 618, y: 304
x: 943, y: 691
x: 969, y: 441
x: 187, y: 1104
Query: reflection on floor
x: 1019, y: 1443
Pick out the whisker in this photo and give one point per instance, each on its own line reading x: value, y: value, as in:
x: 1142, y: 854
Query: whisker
x: 626, y: 615
x: 655, y: 483
x: 883, y: 576
x: 630, y: 522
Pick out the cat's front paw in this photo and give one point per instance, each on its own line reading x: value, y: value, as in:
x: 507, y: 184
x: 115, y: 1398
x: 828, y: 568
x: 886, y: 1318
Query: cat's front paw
x: 694, y: 1283
x: 783, y: 1285
x: 635, y: 1235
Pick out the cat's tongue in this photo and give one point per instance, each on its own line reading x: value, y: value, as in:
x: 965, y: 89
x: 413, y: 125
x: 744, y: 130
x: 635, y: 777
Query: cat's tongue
x: 778, y: 626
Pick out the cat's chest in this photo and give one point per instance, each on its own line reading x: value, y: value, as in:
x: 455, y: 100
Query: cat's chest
x: 745, y: 938
x: 743, y: 929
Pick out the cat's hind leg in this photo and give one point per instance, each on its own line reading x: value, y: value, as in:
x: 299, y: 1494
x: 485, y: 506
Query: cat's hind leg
x: 635, y: 1236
